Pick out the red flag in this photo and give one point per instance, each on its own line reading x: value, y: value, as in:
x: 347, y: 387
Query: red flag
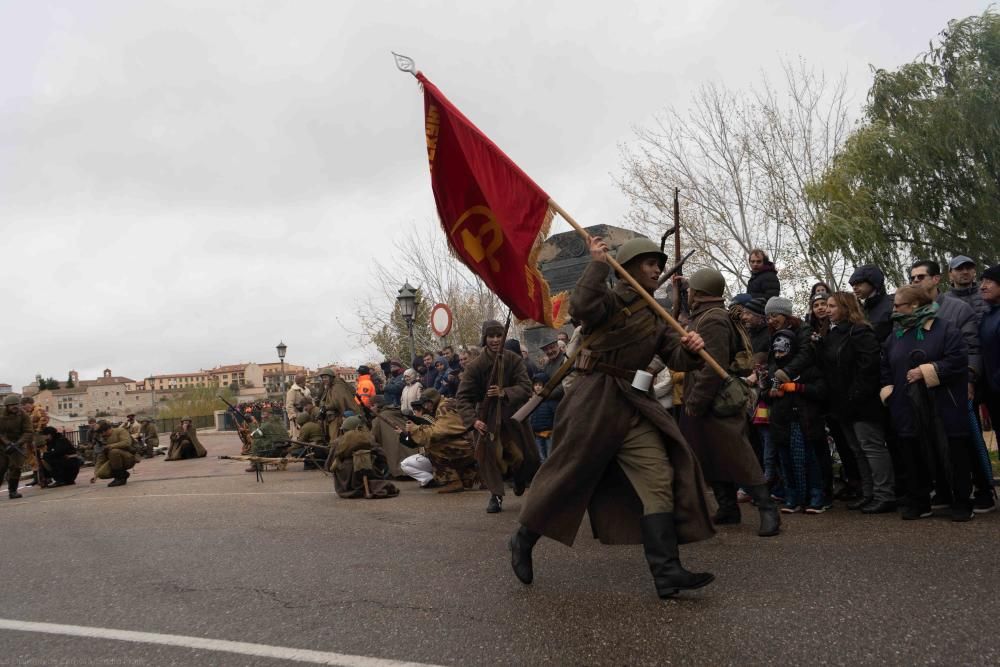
x: 495, y: 217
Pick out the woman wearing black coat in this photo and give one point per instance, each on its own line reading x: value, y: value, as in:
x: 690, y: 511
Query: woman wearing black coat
x: 924, y: 382
x: 849, y: 356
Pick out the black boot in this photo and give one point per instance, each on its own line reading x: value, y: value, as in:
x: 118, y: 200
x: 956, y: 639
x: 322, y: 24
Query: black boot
x: 659, y: 541
x: 121, y: 478
x: 521, y: 543
x: 729, y: 508
x: 770, y: 520
x: 12, y: 489
x: 495, y: 504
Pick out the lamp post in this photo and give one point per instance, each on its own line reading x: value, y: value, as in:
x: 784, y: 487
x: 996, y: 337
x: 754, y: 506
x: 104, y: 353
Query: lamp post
x: 407, y: 301
x: 152, y: 395
x: 281, y: 355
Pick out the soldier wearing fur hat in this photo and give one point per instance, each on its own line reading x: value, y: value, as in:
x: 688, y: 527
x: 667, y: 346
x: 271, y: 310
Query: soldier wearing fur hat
x: 721, y: 443
x: 617, y: 454
x: 184, y: 442
x: 15, y: 436
x: 491, y: 390
x: 116, y: 457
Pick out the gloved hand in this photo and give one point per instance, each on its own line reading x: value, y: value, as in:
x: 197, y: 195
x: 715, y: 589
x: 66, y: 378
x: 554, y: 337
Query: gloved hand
x: 782, y: 376
x: 792, y: 387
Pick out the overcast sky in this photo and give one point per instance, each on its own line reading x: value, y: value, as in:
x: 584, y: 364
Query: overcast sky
x: 184, y: 184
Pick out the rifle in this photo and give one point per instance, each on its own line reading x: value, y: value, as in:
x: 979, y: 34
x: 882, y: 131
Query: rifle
x: 241, y: 428
x: 677, y: 251
x: 676, y: 268
x: 369, y: 415
x: 489, y: 410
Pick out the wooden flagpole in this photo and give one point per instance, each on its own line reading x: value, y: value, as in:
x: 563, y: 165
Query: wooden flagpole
x: 657, y: 308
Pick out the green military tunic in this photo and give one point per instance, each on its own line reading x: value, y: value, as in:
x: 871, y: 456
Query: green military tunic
x: 116, y: 456
x: 15, y: 436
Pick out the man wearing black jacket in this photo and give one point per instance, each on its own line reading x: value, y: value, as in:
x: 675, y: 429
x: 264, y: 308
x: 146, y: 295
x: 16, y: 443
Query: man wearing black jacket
x: 868, y: 282
x: 763, y: 283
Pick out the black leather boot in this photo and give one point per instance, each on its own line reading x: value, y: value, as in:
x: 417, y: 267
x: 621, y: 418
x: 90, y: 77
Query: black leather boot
x: 770, y: 519
x: 12, y: 489
x: 521, y: 543
x: 121, y: 478
x: 659, y: 541
x: 729, y: 508
x: 495, y: 505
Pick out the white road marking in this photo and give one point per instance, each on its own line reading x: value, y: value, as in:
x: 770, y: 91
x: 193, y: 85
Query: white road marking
x: 205, y: 644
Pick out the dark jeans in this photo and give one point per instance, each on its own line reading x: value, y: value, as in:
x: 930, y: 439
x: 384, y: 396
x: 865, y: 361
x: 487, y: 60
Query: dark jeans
x: 850, y: 473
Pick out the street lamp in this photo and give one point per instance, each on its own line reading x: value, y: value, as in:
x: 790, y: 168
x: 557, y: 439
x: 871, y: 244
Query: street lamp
x: 281, y: 355
x: 152, y: 397
x: 407, y: 301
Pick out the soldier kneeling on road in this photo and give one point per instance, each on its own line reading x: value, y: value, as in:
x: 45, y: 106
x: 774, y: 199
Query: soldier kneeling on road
x: 116, y: 457
x: 184, y: 442
x: 60, y: 459
x: 446, y: 457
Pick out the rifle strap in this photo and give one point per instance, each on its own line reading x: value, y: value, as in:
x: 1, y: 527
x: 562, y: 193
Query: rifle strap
x: 594, y: 336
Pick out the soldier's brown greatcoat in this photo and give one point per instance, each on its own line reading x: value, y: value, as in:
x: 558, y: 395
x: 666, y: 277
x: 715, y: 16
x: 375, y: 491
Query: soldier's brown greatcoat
x: 720, y: 443
x: 581, y: 474
x: 509, y: 448
x: 384, y: 433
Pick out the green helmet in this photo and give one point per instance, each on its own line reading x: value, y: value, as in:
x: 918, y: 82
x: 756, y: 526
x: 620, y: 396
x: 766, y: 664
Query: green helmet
x: 351, y: 424
x: 327, y: 372
x: 12, y: 399
x: 708, y: 281
x: 640, y: 245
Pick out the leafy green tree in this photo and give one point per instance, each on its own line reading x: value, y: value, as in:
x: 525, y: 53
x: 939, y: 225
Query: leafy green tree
x: 195, y: 402
x: 920, y: 177
x: 52, y: 383
x: 69, y: 382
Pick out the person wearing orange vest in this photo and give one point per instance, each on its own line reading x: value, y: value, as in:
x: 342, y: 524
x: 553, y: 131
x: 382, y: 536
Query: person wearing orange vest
x: 365, y: 386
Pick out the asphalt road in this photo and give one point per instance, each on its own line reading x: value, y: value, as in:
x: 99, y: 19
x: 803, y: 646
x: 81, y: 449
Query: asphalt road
x: 199, y: 549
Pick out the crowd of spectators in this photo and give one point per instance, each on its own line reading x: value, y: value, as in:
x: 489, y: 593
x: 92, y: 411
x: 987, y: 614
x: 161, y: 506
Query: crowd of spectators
x: 901, y: 386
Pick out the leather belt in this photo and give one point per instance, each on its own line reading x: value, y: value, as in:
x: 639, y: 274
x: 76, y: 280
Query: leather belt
x: 614, y: 371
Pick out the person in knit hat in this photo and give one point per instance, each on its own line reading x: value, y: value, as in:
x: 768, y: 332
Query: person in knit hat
x: 492, y: 388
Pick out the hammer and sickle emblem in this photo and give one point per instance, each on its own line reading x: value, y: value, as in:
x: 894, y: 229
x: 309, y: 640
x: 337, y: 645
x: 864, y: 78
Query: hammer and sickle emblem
x: 475, y: 243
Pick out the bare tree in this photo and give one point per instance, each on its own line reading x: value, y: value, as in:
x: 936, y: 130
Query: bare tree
x: 423, y: 258
x: 742, y: 162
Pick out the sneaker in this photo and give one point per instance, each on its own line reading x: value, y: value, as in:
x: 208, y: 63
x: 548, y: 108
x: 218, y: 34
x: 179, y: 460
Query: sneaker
x: 815, y: 509
x: 962, y: 514
x: 879, y: 507
x: 742, y: 496
x: 984, y: 504
x: 912, y: 512
x: 940, y: 501
x: 861, y: 502
x: 792, y: 509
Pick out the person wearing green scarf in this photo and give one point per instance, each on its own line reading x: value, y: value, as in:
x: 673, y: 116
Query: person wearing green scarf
x: 924, y: 377
x: 908, y: 316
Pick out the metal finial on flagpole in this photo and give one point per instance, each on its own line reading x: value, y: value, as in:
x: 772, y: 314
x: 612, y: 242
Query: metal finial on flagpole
x: 405, y: 63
